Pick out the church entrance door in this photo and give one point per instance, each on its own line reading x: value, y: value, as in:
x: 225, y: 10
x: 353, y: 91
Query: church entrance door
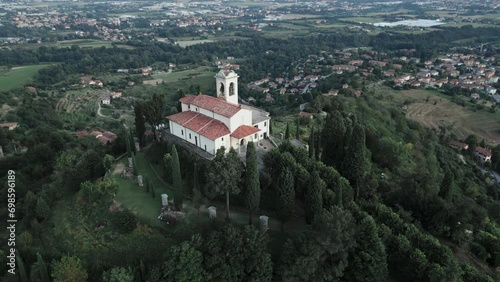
x: 196, y: 140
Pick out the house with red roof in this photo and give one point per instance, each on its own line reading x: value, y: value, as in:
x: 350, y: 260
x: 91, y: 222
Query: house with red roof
x: 9, y: 125
x: 483, y: 154
x: 458, y: 145
x: 212, y: 122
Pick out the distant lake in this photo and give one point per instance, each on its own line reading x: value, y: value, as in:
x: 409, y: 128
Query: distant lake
x: 417, y: 23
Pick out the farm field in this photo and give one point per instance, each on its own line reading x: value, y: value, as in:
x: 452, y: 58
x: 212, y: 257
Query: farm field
x: 82, y: 43
x: 440, y: 111
x: 186, y: 43
x: 185, y: 74
x: 18, y: 76
x: 362, y: 19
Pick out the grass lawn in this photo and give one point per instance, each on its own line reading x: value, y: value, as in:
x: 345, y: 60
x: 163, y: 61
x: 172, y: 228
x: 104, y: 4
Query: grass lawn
x: 136, y: 198
x: 18, y: 76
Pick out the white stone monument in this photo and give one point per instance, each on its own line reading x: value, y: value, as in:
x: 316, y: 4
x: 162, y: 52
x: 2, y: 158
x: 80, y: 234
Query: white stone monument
x: 212, y: 212
x: 139, y: 179
x: 137, y: 146
x: 1, y: 152
x: 164, y: 200
x: 130, y: 162
x: 263, y: 223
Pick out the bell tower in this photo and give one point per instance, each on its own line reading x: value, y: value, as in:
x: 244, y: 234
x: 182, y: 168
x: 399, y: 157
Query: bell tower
x: 226, y: 85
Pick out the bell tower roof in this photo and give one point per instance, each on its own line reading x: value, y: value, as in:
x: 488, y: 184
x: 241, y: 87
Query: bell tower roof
x: 225, y: 73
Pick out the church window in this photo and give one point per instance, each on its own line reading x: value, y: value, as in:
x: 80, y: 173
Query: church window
x: 231, y: 89
x: 182, y: 132
x: 196, y: 109
x: 255, y: 136
x: 189, y: 106
x: 189, y: 135
x: 265, y: 124
x: 257, y: 126
x: 205, y: 147
x: 222, y: 139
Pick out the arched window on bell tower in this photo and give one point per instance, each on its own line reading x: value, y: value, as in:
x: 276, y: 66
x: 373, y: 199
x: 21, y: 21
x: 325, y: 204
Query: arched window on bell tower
x: 221, y: 90
x: 231, y: 89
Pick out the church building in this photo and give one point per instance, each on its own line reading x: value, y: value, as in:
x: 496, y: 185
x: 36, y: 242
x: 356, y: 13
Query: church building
x: 212, y: 122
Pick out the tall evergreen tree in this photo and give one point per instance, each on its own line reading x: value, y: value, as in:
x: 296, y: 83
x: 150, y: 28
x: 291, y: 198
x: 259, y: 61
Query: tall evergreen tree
x: 154, y: 111
x: 311, y: 143
x: 42, y: 209
x: 140, y: 123
x: 20, y: 268
x: 368, y: 260
x: 39, y: 270
x: 313, y: 197
x: 285, y: 196
x: 177, y: 180
x: 131, y: 136
x: 198, y: 197
x: 447, y: 185
x: 354, y: 165
x: 252, y: 182
x: 317, y: 146
x: 287, y: 131
x: 297, y: 131
x: 333, y: 139
x: 224, y: 175
x: 180, y: 94
x: 185, y: 262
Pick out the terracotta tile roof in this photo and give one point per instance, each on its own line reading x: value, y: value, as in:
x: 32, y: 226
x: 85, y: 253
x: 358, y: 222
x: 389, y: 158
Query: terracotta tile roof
x: 244, y: 131
x: 110, y: 135
x: 8, y: 124
x: 458, y: 144
x: 96, y: 133
x: 81, y: 133
x: 182, y: 118
x: 103, y: 139
x: 216, y: 105
x: 483, y: 151
x: 201, y: 124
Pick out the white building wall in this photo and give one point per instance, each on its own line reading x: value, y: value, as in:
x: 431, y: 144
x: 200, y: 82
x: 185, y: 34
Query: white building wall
x: 177, y: 130
x: 264, y: 128
x: 184, y: 107
x: 207, y: 145
x: 224, y: 120
x: 243, y: 117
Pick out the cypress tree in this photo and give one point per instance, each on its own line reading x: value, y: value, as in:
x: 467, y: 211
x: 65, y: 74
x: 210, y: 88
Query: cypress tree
x: 369, y: 259
x: 354, y: 165
x: 177, y: 180
x: 311, y: 144
x: 446, y: 189
x: 285, y: 197
x: 297, y: 132
x: 140, y: 123
x: 127, y: 143
x: 181, y: 94
x: 197, y: 195
x: 317, y: 146
x: 270, y: 127
x: 21, y: 270
x: 39, y: 270
x: 131, y: 139
x: 287, y: 132
x: 314, y: 197
x: 42, y: 209
x: 333, y: 139
x: 252, y: 182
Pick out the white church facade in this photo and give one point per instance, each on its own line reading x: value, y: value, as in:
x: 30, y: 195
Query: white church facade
x: 212, y: 122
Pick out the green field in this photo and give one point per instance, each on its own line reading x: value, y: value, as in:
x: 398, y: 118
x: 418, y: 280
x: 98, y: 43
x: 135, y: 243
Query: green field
x: 136, y: 198
x: 197, y: 73
x: 193, y: 42
x: 362, y: 19
x: 18, y: 76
